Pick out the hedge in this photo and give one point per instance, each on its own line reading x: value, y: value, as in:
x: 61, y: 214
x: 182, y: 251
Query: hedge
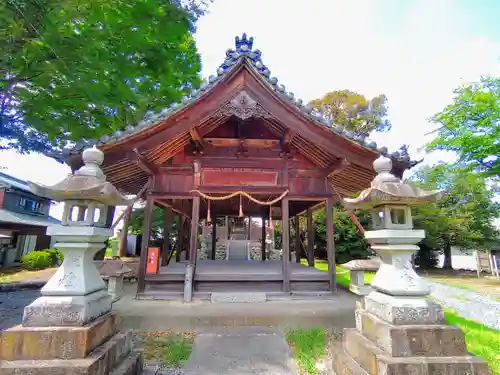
x: 40, y: 259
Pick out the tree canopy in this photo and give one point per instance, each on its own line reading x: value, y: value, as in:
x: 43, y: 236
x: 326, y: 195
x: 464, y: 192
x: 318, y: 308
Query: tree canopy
x: 73, y: 70
x: 470, y: 126
x: 354, y: 112
x: 463, y: 217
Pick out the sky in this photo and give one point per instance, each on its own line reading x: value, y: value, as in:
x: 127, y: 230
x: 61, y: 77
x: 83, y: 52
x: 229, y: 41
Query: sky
x: 416, y: 52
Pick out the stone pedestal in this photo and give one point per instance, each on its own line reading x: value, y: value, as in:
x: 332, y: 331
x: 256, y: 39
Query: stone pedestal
x: 395, y: 337
x: 96, y: 348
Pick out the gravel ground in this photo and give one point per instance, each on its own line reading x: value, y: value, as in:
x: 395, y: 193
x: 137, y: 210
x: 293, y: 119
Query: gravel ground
x: 468, y: 304
x: 12, y: 306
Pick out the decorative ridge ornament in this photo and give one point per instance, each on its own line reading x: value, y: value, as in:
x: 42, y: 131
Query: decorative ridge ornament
x: 243, y: 51
x: 388, y: 189
x: 242, y: 106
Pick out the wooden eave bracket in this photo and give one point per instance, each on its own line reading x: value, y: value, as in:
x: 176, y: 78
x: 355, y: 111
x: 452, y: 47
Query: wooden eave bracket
x: 286, y: 142
x: 197, y: 142
x: 337, y: 167
x: 142, y: 162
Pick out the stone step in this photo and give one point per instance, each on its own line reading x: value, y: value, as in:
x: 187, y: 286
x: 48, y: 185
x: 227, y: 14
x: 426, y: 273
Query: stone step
x: 411, y: 340
x: 377, y: 362
x: 238, y: 297
x: 100, y: 362
x: 132, y: 365
x: 343, y: 363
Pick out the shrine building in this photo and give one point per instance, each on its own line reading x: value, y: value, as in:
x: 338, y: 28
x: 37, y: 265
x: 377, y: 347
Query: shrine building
x: 235, y: 158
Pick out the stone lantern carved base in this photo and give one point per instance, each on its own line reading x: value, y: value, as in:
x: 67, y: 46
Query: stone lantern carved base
x: 384, y: 344
x: 97, y: 348
x: 54, y: 311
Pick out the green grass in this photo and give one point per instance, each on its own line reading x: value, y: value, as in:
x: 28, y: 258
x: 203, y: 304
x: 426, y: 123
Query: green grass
x: 342, y: 277
x: 481, y: 340
x: 172, y: 349
x: 308, y: 346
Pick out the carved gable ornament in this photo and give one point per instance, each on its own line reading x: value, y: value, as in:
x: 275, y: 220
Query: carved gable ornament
x: 243, y: 106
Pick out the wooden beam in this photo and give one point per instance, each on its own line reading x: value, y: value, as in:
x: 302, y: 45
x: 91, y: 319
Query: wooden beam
x: 285, y: 242
x: 330, y: 245
x: 167, y: 227
x: 142, y: 162
x: 235, y: 142
x: 146, y: 231
x: 177, y: 208
x: 263, y: 237
x: 338, y: 166
x: 193, y: 242
x: 311, y: 232
x: 195, y: 136
x: 297, y: 239
x: 130, y: 206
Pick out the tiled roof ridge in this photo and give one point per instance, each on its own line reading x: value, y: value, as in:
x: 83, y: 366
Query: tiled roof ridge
x: 244, y: 50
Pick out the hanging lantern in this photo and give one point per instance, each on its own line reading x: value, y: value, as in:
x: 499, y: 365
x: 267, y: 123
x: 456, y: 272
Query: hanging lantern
x: 241, y: 207
x: 271, y: 217
x: 209, y: 219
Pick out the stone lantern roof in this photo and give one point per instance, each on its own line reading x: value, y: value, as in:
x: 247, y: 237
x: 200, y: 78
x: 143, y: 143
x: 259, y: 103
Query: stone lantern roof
x: 87, y: 183
x: 388, y: 189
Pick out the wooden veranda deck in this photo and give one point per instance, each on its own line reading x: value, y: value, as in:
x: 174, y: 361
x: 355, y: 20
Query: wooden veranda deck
x: 235, y: 276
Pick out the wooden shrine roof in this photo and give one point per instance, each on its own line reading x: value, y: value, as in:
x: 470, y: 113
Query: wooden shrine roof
x: 242, y: 76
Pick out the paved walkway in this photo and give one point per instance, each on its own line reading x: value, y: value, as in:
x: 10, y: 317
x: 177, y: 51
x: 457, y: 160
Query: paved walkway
x: 468, y: 304
x: 240, y: 351
x: 12, y: 306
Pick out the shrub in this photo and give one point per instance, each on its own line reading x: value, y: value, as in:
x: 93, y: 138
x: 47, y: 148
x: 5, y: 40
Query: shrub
x: 37, y: 260
x: 40, y: 259
x: 57, y: 256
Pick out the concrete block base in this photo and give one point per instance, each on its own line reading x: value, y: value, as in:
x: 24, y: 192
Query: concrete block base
x: 112, y: 357
x: 43, y: 343
x: 377, y: 347
x: 404, y: 310
x: 56, y: 311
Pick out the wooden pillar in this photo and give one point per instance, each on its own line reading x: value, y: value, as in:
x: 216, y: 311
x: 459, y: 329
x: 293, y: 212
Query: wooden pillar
x: 167, y: 227
x: 310, y: 238
x: 214, y: 236
x: 330, y: 244
x: 297, y: 239
x: 263, y: 239
x: 122, y: 246
x: 146, y: 232
x: 285, y: 242
x: 180, y: 238
x: 249, y: 227
x: 195, y: 218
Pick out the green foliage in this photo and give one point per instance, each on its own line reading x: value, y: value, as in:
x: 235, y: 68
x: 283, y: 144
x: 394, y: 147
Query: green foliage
x: 463, y: 217
x: 157, y: 223
x: 470, y: 126
x: 354, y: 112
x: 57, y: 256
x: 308, y: 346
x: 349, y: 242
x: 73, y: 70
x: 39, y: 259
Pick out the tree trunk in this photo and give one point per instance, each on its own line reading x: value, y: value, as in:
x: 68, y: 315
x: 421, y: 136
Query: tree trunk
x: 122, y: 245
x: 447, y: 256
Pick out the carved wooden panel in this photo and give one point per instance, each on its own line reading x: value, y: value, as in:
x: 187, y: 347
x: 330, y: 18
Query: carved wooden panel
x: 238, y: 177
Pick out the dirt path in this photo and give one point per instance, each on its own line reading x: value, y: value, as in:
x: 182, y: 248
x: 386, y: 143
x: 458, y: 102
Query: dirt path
x: 468, y: 304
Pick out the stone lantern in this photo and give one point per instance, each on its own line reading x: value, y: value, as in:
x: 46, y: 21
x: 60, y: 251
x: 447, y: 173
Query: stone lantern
x: 71, y: 329
x: 76, y: 294
x: 393, y: 236
x: 398, y: 329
